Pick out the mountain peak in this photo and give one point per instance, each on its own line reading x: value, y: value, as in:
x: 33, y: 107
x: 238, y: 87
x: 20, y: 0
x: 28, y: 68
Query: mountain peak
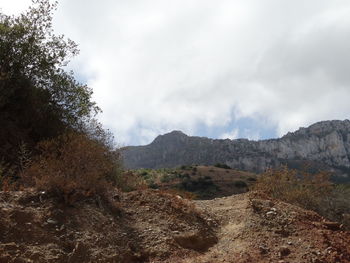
x: 175, y: 133
x: 173, y: 136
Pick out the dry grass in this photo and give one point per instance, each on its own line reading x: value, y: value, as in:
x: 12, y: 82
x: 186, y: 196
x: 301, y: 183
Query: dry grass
x: 129, y: 181
x: 310, y: 191
x: 71, y: 165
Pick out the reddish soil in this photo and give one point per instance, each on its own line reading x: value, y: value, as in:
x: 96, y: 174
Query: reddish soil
x: 258, y: 229
x: 152, y: 226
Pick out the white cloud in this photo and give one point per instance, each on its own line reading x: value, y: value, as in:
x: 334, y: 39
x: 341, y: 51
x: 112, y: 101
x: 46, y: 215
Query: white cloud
x: 14, y: 7
x: 230, y: 135
x: 162, y: 65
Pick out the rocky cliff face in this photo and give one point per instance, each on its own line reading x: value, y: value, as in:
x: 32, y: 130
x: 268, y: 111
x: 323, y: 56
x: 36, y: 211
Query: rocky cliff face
x: 324, y: 145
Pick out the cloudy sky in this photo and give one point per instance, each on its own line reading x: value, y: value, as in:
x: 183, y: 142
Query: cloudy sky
x: 222, y: 69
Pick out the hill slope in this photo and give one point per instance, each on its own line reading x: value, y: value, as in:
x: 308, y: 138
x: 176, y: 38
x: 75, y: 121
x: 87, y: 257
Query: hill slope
x: 323, y: 145
x: 151, y: 226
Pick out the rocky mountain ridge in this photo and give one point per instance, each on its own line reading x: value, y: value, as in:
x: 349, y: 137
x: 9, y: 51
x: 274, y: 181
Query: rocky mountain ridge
x: 323, y: 145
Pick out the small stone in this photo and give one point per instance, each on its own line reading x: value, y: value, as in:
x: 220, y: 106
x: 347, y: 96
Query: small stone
x: 10, y: 246
x: 284, y: 251
x: 263, y: 250
x: 51, y: 221
x: 271, y: 213
x: 332, y: 225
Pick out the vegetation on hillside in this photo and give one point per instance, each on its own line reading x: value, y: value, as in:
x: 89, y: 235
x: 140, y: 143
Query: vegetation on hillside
x: 310, y: 191
x: 48, y: 134
x: 200, y: 182
x: 50, y: 140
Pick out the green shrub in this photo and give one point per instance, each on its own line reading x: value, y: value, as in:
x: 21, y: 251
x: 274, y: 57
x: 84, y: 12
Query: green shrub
x: 165, y: 179
x: 144, y: 173
x: 251, y: 179
x: 222, y: 165
x: 240, y: 184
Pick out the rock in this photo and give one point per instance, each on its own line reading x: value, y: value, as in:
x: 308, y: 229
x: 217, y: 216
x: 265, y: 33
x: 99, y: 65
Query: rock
x: 79, y: 254
x: 263, y: 250
x: 271, y: 213
x: 259, y: 205
x: 284, y: 251
x: 10, y: 246
x: 51, y: 221
x: 323, y: 143
x: 332, y: 225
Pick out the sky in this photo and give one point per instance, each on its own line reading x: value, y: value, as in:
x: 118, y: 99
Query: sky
x: 221, y: 69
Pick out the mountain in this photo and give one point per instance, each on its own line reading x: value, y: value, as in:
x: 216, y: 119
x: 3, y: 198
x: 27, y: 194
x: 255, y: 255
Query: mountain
x: 323, y: 145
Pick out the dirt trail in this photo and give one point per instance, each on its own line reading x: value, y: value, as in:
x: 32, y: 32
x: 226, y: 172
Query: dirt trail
x: 263, y: 230
x: 155, y: 227
x: 231, y: 213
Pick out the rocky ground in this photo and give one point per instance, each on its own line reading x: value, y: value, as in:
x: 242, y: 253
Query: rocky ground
x: 153, y: 226
x: 258, y: 229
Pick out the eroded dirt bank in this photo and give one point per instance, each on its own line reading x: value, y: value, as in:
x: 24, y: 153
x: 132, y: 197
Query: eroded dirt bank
x: 151, y: 226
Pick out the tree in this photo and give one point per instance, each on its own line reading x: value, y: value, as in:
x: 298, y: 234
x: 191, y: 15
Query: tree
x: 38, y: 99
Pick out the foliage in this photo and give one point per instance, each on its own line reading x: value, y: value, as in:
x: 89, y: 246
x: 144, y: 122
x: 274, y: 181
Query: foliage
x: 130, y: 181
x: 38, y: 98
x: 202, y: 187
x: 310, y: 191
x: 222, y: 165
x: 240, y: 184
x: 72, y: 165
x: 6, y: 176
x: 251, y: 179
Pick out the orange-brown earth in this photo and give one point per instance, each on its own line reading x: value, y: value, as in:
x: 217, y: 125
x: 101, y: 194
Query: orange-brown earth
x: 152, y: 226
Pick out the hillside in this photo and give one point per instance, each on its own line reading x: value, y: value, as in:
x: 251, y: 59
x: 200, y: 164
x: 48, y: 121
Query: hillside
x: 323, y: 145
x: 201, y: 182
x: 152, y: 226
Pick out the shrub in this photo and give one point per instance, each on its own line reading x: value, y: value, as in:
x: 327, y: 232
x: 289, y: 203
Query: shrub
x: 310, y: 191
x: 290, y: 186
x: 153, y: 185
x: 240, y: 184
x: 184, y: 167
x: 6, y: 177
x: 165, y: 179
x: 72, y: 165
x: 39, y: 98
x: 251, y: 179
x: 184, y: 176
x: 222, y: 165
x: 144, y: 173
x: 129, y: 181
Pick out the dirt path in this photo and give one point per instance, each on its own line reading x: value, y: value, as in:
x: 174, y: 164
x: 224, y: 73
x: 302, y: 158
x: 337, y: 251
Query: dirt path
x: 231, y: 213
x: 262, y: 230
x: 152, y: 226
